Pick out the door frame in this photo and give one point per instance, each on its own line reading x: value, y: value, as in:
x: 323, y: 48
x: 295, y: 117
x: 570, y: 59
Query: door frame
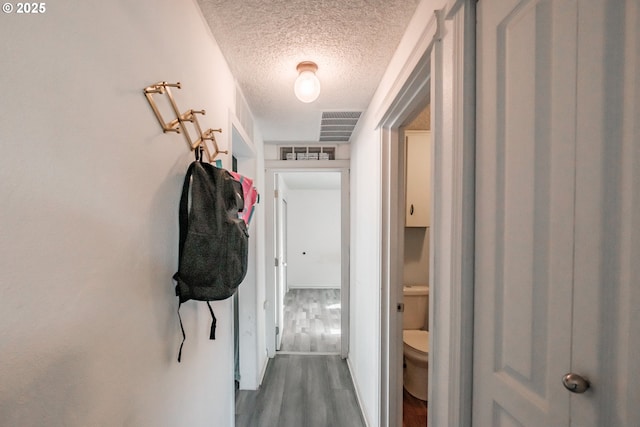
x: 242, y: 147
x: 279, y: 225
x: 273, y: 167
x: 442, y: 66
x: 281, y: 212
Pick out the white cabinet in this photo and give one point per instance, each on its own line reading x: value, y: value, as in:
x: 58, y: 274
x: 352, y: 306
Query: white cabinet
x: 418, y: 178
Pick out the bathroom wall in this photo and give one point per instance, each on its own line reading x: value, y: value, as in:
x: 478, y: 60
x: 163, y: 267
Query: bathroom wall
x: 416, y: 256
x: 88, y: 221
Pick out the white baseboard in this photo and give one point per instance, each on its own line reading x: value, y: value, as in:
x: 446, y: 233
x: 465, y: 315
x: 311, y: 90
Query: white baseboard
x: 314, y: 286
x: 263, y: 371
x: 310, y: 353
x: 357, y: 389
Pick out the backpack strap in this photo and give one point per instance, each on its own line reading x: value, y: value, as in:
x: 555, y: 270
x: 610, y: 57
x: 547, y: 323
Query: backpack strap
x: 183, y: 215
x: 184, y: 336
x: 212, y: 334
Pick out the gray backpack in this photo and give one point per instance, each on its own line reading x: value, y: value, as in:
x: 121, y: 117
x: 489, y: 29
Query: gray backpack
x: 213, y: 239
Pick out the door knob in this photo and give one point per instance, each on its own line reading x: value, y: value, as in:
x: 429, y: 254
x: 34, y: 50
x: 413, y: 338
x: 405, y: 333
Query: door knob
x: 575, y: 383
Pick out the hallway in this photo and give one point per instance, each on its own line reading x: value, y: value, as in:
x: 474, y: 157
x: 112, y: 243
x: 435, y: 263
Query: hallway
x: 301, y: 390
x: 311, y: 321
x: 101, y: 213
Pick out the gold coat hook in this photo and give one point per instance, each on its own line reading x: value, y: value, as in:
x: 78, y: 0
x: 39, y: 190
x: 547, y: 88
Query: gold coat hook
x: 209, y: 135
x: 162, y: 88
x: 177, y: 125
x: 165, y: 84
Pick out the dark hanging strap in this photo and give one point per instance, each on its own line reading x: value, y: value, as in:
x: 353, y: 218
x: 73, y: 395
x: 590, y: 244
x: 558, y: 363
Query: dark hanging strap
x: 212, y: 334
x: 183, y: 213
x: 183, y: 216
x: 184, y: 336
x: 199, y: 151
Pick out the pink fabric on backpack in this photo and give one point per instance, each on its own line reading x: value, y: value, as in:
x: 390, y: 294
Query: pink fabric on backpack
x: 250, y: 196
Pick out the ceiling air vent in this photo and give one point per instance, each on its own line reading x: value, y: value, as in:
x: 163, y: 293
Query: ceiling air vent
x: 337, y: 126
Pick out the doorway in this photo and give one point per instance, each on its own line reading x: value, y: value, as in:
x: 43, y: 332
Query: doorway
x: 416, y: 96
x: 415, y: 214
x: 443, y: 71
x: 308, y: 286
x: 282, y: 260
x: 308, y: 262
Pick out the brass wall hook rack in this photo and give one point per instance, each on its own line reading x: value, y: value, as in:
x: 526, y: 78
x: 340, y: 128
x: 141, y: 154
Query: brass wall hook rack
x: 162, y: 88
x: 177, y: 125
x: 190, y: 116
x: 209, y: 135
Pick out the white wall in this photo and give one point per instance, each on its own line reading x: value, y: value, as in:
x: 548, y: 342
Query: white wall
x: 314, y: 238
x: 88, y: 219
x: 365, y: 357
x: 251, y: 293
x: 416, y: 256
x: 364, y: 346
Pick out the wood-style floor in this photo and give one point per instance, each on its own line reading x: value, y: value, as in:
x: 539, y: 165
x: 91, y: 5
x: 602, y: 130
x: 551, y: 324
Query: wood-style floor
x: 311, y: 321
x: 414, y: 411
x: 301, y: 391
x: 310, y: 390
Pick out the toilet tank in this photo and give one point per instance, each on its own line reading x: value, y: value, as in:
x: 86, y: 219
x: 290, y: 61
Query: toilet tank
x: 416, y: 305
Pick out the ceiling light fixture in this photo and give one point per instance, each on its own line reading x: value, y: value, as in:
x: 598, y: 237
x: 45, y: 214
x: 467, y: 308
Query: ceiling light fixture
x: 307, y: 86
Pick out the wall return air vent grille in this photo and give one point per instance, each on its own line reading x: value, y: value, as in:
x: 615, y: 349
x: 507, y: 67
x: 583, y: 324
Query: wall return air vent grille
x: 337, y: 126
x: 315, y: 152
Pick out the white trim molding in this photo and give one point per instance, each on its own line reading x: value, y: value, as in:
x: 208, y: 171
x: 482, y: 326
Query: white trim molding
x: 405, y: 99
x: 453, y: 125
x: 358, y: 398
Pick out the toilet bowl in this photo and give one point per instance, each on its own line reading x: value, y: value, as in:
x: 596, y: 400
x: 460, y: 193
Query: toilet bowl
x: 416, y: 357
x: 416, y: 340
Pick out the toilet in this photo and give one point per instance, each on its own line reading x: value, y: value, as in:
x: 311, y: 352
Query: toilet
x: 416, y: 340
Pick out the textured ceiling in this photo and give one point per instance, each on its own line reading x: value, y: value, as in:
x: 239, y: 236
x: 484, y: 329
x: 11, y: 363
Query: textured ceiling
x: 263, y: 40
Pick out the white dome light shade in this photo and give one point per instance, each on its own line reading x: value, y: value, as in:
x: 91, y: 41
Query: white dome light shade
x: 307, y: 86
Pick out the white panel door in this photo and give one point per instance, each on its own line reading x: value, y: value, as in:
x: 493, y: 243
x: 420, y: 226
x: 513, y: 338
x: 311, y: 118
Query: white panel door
x: 525, y: 187
x: 606, y: 306
x: 558, y: 213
